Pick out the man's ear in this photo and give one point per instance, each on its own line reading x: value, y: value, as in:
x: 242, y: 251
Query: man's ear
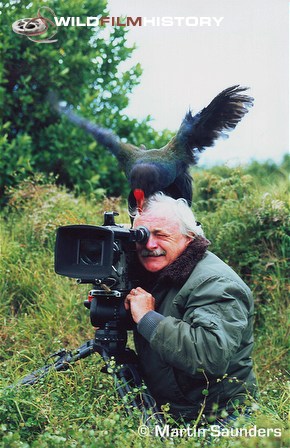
x: 190, y: 238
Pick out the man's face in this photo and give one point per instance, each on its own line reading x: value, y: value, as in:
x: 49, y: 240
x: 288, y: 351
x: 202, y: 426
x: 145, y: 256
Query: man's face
x: 166, y: 242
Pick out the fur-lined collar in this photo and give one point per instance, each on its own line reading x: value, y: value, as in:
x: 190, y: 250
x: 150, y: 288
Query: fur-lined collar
x: 178, y: 271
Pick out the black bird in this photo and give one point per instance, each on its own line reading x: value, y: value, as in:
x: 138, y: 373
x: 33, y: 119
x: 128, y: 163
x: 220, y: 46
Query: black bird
x: 167, y: 169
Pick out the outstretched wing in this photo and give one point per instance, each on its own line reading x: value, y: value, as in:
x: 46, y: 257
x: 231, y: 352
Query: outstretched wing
x: 125, y: 153
x: 222, y: 115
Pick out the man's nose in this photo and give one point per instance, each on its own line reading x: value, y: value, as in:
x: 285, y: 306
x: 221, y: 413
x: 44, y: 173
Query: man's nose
x: 152, y: 242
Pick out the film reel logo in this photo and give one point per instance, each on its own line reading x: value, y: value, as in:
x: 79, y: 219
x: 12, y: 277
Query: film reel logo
x: 36, y: 26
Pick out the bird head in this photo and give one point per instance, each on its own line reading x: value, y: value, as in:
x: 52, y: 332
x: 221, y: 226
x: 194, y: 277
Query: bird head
x: 146, y: 177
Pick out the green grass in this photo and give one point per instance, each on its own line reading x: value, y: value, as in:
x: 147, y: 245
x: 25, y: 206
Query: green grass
x: 43, y: 312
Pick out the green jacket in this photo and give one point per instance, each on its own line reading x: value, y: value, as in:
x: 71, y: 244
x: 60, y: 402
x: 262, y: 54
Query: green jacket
x: 199, y: 338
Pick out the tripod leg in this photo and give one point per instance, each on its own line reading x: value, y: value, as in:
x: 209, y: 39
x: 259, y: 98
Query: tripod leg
x: 133, y: 392
x: 62, y: 361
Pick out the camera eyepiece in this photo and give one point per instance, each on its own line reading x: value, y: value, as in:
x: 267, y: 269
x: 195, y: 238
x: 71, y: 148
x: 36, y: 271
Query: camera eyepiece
x: 140, y: 235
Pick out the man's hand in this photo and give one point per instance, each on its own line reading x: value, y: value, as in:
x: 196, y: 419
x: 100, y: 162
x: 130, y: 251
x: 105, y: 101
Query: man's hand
x: 139, y: 302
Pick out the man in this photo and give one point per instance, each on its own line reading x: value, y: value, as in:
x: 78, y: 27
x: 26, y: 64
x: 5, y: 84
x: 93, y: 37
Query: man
x: 194, y: 317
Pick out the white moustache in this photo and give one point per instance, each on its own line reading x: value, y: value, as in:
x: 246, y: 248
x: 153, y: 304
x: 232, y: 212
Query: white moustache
x: 152, y: 253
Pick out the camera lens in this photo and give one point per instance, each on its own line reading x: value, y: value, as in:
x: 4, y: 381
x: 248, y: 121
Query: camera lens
x: 90, y: 252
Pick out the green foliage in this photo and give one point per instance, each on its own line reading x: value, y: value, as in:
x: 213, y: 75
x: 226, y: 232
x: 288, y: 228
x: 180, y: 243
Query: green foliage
x: 15, y: 157
x: 269, y: 172
x: 43, y: 312
x: 249, y: 232
x: 83, y: 68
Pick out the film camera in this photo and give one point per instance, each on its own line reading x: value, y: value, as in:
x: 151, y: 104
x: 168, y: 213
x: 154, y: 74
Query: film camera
x: 104, y: 256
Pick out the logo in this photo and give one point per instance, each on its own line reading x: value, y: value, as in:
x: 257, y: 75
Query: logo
x: 36, y: 26
x: 40, y: 25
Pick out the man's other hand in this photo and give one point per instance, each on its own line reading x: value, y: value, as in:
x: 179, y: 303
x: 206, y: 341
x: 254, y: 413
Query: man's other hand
x: 139, y: 302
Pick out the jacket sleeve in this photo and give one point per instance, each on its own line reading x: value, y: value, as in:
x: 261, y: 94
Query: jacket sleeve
x: 209, y: 334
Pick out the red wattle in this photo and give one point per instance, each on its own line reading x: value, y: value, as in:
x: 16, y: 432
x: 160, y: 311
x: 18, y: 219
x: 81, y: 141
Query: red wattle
x: 139, y: 196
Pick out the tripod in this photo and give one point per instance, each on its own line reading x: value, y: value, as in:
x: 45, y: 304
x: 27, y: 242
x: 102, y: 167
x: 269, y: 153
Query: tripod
x: 110, y: 342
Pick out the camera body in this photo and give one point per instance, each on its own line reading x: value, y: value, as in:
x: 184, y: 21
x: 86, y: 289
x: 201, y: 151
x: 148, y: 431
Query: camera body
x: 104, y: 256
x: 99, y: 254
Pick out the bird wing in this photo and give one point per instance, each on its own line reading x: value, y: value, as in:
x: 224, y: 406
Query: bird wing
x: 201, y: 130
x: 126, y: 154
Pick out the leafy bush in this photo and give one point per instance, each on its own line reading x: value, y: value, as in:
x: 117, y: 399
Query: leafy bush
x: 247, y: 227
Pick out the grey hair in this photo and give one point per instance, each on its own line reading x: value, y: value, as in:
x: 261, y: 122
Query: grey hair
x: 179, y: 208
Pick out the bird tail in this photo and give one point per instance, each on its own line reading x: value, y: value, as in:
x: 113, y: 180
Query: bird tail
x: 221, y: 116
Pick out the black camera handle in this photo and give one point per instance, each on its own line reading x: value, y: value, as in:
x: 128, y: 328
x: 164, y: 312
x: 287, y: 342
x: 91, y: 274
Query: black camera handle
x: 120, y: 361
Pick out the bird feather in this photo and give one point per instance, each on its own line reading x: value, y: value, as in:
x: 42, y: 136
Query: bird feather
x: 221, y: 116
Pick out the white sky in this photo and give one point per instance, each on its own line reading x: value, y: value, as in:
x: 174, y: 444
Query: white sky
x: 188, y: 66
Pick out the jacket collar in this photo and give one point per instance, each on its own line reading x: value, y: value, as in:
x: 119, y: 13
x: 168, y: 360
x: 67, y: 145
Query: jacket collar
x: 179, y: 271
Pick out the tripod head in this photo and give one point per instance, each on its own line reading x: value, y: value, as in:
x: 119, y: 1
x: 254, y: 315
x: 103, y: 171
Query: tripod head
x: 108, y: 314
